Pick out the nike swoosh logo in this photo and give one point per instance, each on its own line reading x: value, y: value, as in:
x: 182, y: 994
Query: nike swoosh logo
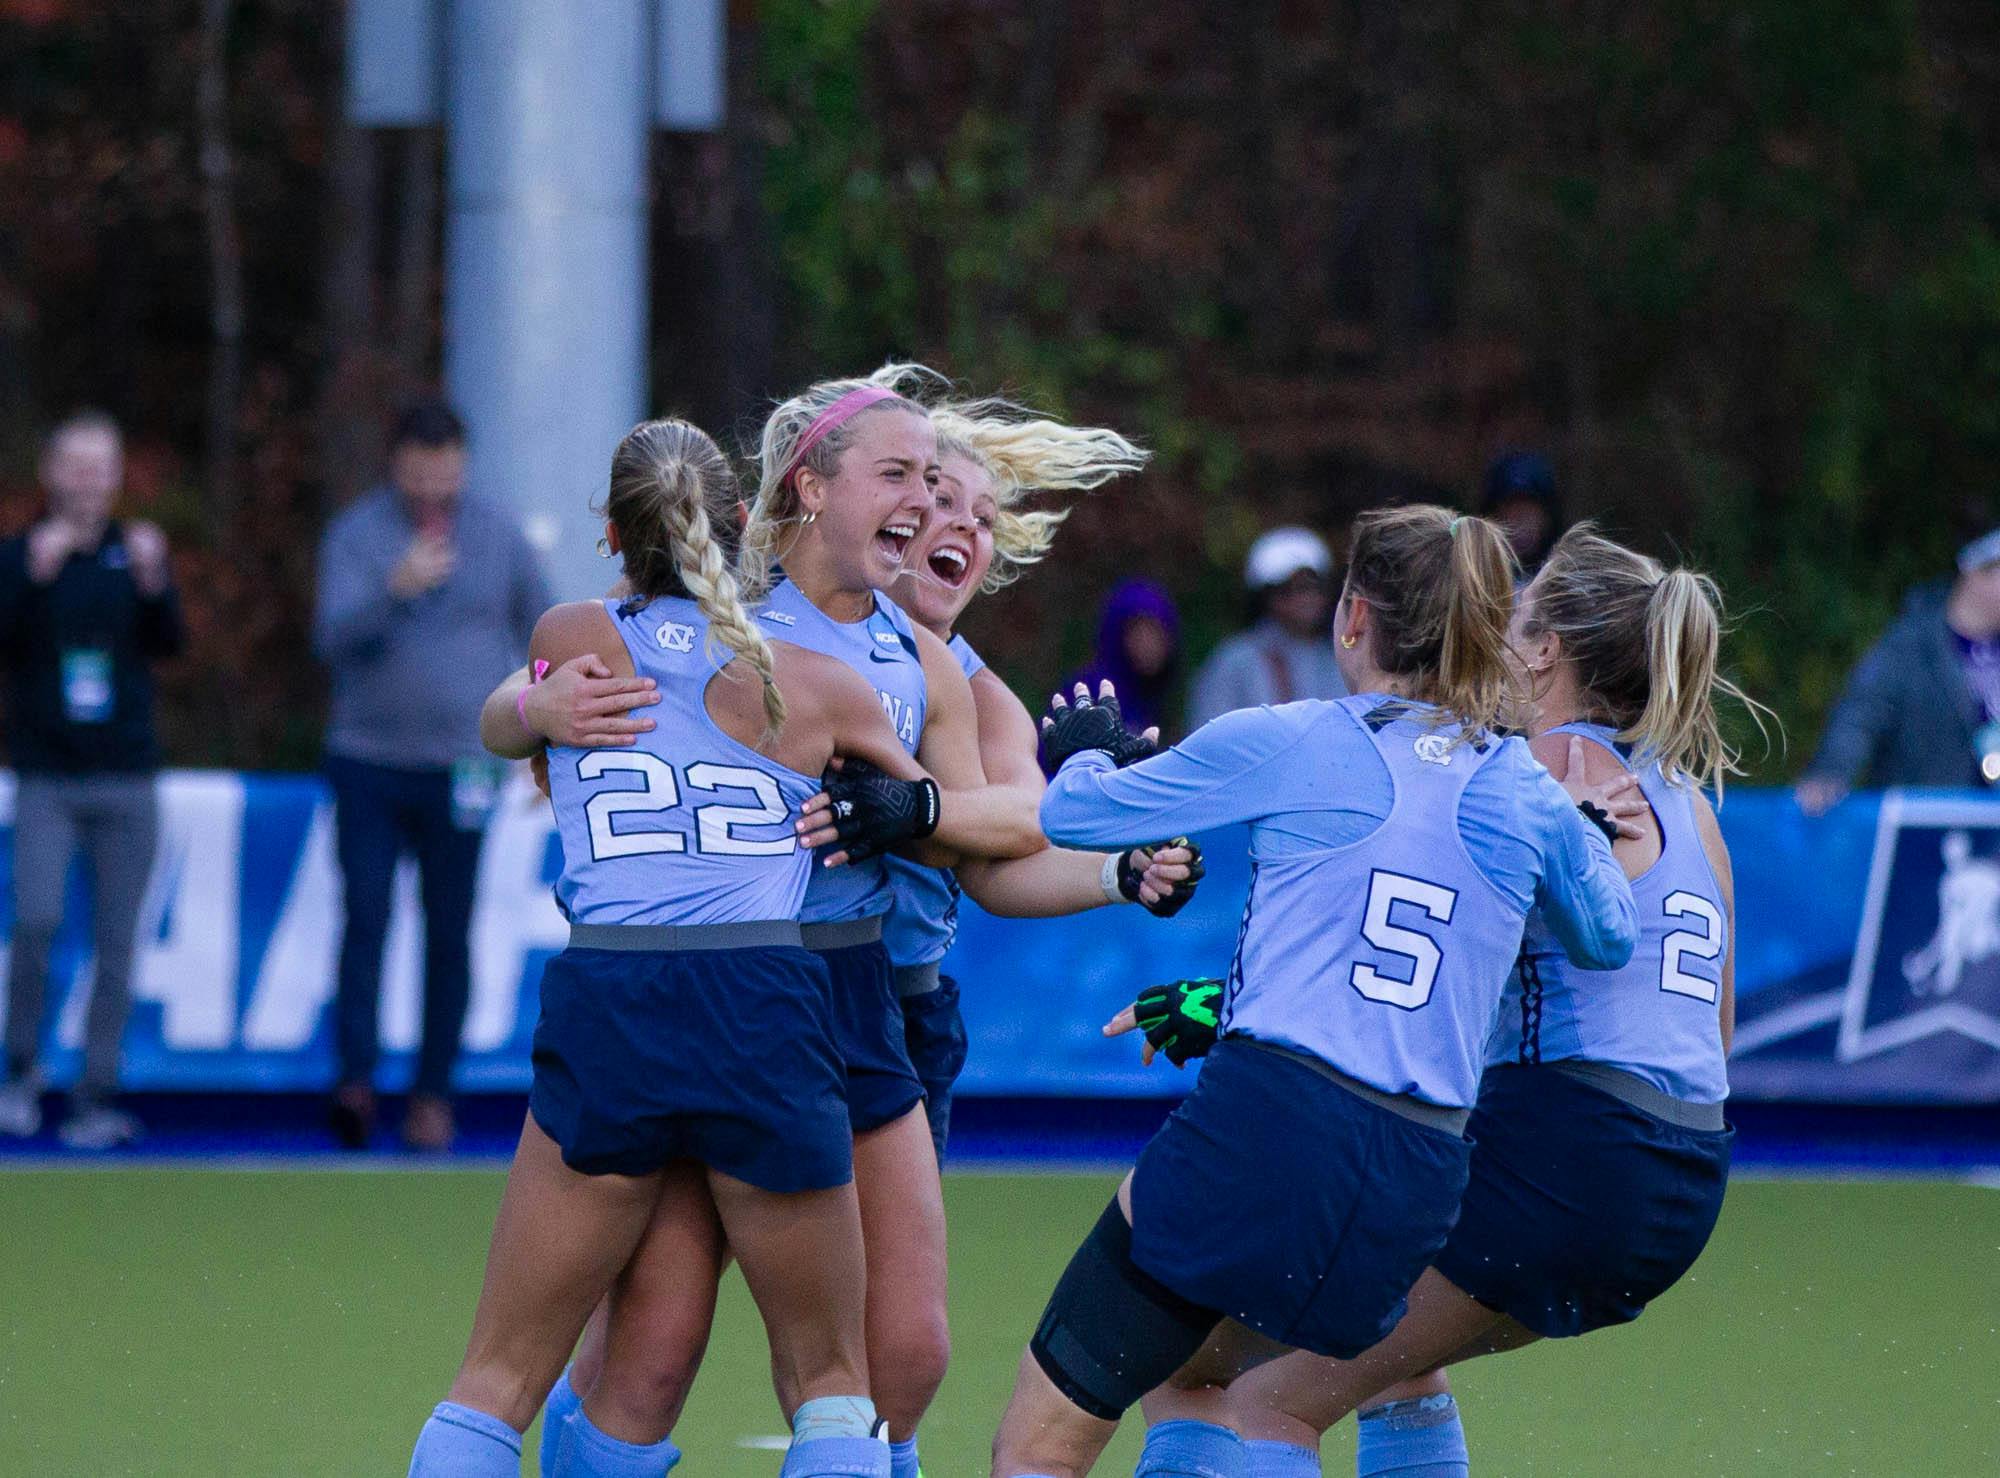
x: 875, y: 656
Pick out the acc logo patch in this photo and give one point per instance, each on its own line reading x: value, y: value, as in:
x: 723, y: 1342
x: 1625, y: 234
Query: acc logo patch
x: 778, y: 618
x: 1433, y: 749
x: 675, y: 636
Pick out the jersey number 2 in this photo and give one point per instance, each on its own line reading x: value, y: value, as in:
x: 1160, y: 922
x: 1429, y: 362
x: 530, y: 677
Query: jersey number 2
x: 662, y: 791
x: 1385, y: 891
x: 1687, y: 944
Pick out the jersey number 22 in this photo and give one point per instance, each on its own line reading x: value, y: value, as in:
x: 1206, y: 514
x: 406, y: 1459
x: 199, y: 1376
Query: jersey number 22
x: 713, y: 823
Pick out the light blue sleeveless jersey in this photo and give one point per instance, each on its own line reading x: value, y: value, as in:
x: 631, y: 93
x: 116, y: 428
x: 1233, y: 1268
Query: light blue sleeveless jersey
x: 1391, y: 873
x: 1395, y: 947
x: 687, y: 826
x: 924, y: 920
x: 883, y: 649
x: 1658, y: 1016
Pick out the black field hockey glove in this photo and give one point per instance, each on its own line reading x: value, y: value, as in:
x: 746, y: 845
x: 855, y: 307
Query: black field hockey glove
x: 1600, y: 818
x: 1132, y: 871
x: 1081, y: 723
x: 1180, y: 1018
x: 874, y: 811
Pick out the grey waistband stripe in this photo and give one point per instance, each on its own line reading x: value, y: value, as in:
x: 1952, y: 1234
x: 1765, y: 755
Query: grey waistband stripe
x: 917, y: 980
x: 658, y: 938
x: 840, y: 936
x: 1430, y: 1115
x: 1642, y: 1095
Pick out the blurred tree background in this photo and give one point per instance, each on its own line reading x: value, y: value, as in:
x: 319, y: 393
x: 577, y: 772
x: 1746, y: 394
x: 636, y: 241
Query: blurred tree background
x: 1735, y: 267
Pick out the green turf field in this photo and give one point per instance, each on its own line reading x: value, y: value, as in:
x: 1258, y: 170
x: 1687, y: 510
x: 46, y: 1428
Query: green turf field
x: 227, y: 1322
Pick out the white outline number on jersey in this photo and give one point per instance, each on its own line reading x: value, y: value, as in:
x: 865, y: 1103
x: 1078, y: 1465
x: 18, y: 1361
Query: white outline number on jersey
x: 662, y: 791
x: 1385, y: 891
x: 1706, y: 945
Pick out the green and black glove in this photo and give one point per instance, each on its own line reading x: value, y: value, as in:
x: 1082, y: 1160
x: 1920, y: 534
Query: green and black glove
x: 1181, y: 1018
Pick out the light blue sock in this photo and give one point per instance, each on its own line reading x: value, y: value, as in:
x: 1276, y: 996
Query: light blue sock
x: 458, y: 1442
x: 1187, y: 1449
x: 562, y: 1404
x: 1421, y: 1438
x: 834, y: 1437
x: 903, y: 1461
x: 586, y: 1451
x: 1279, y: 1460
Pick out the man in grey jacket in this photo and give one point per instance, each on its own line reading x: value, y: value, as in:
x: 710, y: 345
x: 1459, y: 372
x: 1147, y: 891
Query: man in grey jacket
x: 427, y: 597
x: 1923, y: 706
x: 1288, y: 653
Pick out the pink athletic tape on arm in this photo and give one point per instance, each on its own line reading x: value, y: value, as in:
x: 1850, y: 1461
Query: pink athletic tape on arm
x: 535, y: 674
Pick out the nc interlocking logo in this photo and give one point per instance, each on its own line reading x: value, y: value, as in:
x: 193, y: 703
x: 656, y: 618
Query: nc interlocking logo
x: 1928, y: 956
x: 1434, y: 749
x: 675, y: 636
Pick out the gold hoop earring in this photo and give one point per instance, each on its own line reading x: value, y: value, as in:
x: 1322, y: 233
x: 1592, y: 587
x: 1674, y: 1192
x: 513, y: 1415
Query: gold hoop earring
x: 1347, y: 642
x: 603, y: 547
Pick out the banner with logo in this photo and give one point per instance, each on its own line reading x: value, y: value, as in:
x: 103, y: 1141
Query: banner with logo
x: 1868, y: 957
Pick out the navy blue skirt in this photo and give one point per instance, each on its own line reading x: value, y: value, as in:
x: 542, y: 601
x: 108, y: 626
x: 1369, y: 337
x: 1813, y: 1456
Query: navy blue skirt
x: 722, y: 1056
x: 934, y: 1032
x: 868, y: 1033
x: 1581, y: 1208
x: 1282, y: 1200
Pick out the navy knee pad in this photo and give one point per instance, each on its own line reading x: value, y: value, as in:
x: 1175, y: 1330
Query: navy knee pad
x: 1112, y: 1331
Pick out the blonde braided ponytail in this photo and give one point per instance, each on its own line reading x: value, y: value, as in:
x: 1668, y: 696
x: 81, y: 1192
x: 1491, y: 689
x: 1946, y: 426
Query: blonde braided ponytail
x: 712, y: 586
x: 673, y: 499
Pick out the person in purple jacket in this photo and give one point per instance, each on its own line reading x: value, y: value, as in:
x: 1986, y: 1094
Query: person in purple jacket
x: 1138, y: 653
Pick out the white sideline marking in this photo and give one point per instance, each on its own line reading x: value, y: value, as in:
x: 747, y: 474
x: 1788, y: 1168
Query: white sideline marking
x: 764, y: 1444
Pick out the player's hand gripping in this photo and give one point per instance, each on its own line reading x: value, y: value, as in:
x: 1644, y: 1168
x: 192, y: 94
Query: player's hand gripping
x: 866, y: 811
x: 1161, y: 878
x: 1611, y: 806
x: 1083, y: 722
x: 580, y: 705
x: 1181, y: 1019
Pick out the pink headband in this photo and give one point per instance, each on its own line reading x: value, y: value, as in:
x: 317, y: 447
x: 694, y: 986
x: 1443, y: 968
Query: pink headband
x: 844, y: 409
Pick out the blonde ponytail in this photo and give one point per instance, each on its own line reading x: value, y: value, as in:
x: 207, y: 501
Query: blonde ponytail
x: 1474, y: 680
x: 1026, y: 454
x: 1646, y: 643
x: 673, y: 500
x: 1440, y: 589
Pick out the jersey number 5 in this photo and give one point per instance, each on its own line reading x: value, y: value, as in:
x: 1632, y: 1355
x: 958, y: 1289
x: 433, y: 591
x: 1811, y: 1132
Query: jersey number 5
x: 661, y: 792
x: 1385, y: 891
x: 1687, y: 944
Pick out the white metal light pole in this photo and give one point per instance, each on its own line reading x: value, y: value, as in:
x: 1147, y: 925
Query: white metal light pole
x: 548, y: 109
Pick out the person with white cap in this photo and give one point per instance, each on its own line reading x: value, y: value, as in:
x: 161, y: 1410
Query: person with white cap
x: 1288, y: 653
x: 1923, y: 706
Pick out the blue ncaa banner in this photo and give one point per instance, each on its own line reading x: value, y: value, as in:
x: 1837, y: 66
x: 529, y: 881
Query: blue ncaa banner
x: 1868, y: 952
x: 1893, y: 996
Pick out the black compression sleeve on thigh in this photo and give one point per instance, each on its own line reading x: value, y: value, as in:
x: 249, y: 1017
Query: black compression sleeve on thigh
x: 1111, y: 1331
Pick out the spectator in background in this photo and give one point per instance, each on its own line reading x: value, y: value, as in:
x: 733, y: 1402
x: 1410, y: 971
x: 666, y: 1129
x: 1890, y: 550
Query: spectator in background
x: 1922, y: 707
x: 1520, y: 495
x: 427, y: 597
x: 1138, y: 650
x: 1288, y: 653
x: 87, y: 606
